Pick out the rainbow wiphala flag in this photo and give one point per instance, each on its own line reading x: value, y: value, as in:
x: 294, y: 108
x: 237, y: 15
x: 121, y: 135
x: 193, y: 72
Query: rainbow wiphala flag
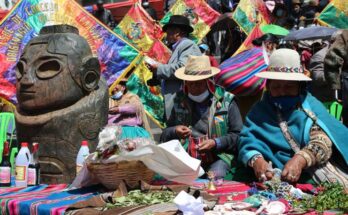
x: 29, y: 16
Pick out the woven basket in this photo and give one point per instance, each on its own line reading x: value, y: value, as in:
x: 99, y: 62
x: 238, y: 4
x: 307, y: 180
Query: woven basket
x: 112, y: 174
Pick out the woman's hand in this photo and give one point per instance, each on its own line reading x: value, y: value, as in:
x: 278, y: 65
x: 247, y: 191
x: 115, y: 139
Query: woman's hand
x: 293, y: 169
x: 206, y: 145
x: 261, y: 170
x: 182, y: 131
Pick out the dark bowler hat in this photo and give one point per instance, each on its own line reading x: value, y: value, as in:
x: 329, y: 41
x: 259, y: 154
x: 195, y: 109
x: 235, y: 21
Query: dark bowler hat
x: 179, y: 21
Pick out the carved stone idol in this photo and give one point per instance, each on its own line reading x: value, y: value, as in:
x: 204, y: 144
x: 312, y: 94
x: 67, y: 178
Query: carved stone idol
x: 62, y: 99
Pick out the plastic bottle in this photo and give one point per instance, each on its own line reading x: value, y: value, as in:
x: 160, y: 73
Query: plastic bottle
x: 81, y: 155
x: 34, y: 167
x: 22, y: 163
x: 5, y: 167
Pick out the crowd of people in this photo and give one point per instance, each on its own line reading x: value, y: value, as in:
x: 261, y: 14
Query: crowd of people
x: 288, y: 129
x: 287, y: 132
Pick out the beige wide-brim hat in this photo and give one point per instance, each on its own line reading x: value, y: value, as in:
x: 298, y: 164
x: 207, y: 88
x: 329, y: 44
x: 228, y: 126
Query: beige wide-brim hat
x: 284, y: 64
x: 197, y: 68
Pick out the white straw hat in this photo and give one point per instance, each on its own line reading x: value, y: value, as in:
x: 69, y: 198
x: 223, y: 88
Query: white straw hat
x: 197, y: 68
x: 284, y: 64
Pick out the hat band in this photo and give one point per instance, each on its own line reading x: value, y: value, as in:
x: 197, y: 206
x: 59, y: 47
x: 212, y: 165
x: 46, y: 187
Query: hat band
x: 286, y: 69
x: 205, y: 72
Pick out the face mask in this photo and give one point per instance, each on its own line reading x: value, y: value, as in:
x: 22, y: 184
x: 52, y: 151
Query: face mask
x: 117, y: 96
x: 285, y: 103
x: 200, y: 98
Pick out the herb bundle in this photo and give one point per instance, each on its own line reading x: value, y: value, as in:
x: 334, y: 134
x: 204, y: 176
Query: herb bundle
x: 137, y: 197
x: 331, y: 196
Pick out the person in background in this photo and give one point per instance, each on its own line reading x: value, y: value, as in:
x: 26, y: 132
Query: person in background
x: 177, y: 29
x: 104, y: 15
x: 268, y: 41
x: 281, y: 16
x: 310, y: 12
x: 224, y: 38
x: 336, y: 69
x: 291, y: 130
x: 205, y: 117
x: 306, y: 53
x: 206, y: 51
x: 319, y: 86
x: 126, y: 110
x: 152, y: 12
x: 296, y: 13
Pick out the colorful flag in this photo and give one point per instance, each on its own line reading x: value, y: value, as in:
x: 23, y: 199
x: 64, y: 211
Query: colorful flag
x: 139, y: 29
x: 151, y: 97
x: 335, y: 14
x: 237, y: 73
x: 250, y: 12
x: 200, y: 14
x: 247, y: 44
x: 29, y: 16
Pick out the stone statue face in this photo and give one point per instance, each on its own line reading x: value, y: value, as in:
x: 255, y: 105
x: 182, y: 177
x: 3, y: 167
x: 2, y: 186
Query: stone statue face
x: 44, y: 81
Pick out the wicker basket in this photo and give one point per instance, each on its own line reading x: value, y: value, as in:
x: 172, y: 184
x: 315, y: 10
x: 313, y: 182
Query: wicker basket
x: 112, y: 174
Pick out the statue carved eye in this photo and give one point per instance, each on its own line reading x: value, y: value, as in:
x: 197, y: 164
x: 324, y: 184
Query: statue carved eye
x: 48, y: 69
x: 20, y: 70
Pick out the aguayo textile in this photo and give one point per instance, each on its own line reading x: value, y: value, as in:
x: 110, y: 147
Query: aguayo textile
x: 200, y: 14
x: 237, y: 73
x: 335, y: 14
x: 29, y: 16
x: 42, y: 199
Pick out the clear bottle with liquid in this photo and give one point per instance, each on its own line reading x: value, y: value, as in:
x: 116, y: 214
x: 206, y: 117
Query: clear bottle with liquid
x: 81, y: 155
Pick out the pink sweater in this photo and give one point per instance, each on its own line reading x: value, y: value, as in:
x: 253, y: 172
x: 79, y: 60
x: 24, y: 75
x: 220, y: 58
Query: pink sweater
x: 126, y: 116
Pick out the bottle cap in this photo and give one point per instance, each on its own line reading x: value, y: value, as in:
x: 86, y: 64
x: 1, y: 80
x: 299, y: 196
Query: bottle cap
x: 84, y: 143
x: 6, y: 148
x: 35, y: 146
x: 24, y: 144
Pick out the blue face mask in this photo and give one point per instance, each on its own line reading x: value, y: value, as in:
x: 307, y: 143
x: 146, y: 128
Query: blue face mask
x: 117, y: 96
x: 285, y: 103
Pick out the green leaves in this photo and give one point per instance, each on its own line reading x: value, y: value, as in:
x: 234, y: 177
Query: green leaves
x: 136, y: 197
x: 331, y: 197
